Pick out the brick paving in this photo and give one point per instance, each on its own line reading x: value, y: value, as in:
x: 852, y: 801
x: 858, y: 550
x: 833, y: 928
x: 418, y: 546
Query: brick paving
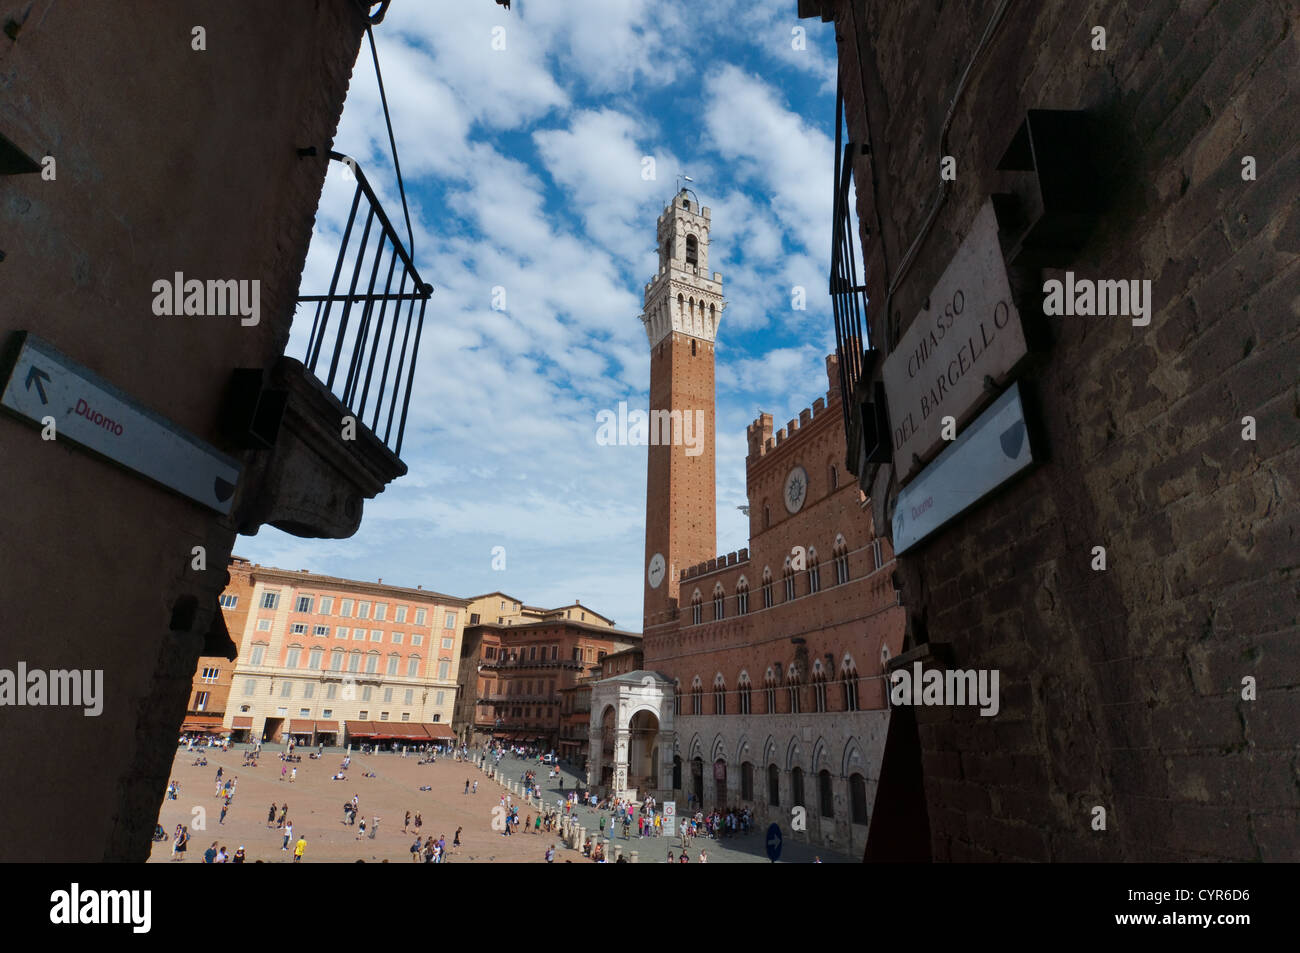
x: 315, y: 809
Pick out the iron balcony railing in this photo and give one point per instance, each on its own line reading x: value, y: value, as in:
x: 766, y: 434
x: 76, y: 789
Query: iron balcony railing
x: 848, y: 297
x: 370, y: 347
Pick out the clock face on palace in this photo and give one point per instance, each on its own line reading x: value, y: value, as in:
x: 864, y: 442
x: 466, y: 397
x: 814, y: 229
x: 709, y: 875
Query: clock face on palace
x: 655, y: 574
x: 796, y: 489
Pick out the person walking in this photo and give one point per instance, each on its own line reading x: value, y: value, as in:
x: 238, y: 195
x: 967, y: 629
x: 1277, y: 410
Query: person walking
x: 288, y: 835
x: 467, y: 785
x: 293, y: 775
x: 406, y: 823
x: 361, y: 830
x: 210, y: 855
x: 455, y: 841
x: 298, y: 849
x: 239, y: 856
x: 415, y: 851
x: 224, y: 808
x: 475, y: 790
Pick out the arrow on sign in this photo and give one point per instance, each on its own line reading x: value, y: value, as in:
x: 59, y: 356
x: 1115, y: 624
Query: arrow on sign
x: 34, y: 374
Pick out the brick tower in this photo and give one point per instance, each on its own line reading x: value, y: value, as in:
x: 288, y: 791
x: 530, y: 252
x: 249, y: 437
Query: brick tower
x: 682, y: 309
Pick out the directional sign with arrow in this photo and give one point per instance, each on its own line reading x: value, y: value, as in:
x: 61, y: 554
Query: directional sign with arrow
x: 36, y: 375
x: 44, y: 384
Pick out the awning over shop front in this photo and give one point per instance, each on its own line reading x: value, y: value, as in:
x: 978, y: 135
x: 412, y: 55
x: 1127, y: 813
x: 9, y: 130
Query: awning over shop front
x: 360, y: 729
x: 402, y: 731
x: 301, y: 726
x: 327, y: 727
x: 192, y: 723
x: 438, y: 731
x: 243, y: 721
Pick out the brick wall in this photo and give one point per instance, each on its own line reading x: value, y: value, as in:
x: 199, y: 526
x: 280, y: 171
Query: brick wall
x: 1121, y: 689
x: 168, y: 159
x: 681, y: 517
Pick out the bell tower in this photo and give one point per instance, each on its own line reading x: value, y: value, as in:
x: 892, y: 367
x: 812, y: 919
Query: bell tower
x: 683, y: 305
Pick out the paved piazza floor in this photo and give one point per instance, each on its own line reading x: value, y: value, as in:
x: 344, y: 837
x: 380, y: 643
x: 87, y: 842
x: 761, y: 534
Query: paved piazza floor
x: 316, y: 810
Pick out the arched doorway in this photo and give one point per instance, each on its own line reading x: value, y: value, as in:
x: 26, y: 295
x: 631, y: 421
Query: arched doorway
x: 697, y: 781
x: 720, y: 783
x: 643, y: 752
x: 677, y: 772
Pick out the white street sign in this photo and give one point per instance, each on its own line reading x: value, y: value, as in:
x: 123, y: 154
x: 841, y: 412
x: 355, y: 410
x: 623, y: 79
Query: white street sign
x: 994, y: 448
x: 89, y: 411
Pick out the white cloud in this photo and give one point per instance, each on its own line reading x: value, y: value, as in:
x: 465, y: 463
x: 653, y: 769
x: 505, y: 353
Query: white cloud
x: 523, y: 170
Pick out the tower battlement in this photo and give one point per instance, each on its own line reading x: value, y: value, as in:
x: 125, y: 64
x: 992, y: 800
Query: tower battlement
x: 760, y: 437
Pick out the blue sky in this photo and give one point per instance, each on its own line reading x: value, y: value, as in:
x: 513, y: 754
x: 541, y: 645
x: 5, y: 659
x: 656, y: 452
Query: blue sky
x: 523, y: 169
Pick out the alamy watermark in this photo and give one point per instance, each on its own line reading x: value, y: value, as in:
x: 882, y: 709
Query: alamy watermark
x: 212, y: 298
x: 57, y: 687
x: 658, y: 428
x: 1085, y: 297
x: 952, y: 687
x: 77, y: 906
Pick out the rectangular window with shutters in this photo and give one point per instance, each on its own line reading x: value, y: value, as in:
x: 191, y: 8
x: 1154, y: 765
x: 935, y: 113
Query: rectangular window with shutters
x: 408, y: 696
x: 354, y: 663
x: 388, y: 694
x: 420, y: 616
x: 412, y: 667
x: 200, y: 701
x: 443, y: 669
x: 298, y: 628
x: 439, y: 697
x: 363, y: 610
x: 304, y: 712
x: 327, y: 713
x: 229, y: 602
x: 263, y: 625
x: 321, y: 631
x: 381, y: 610
x: 372, y: 664
x: 366, y: 693
x: 417, y: 638
x: 448, y: 643
x: 293, y: 657
x: 270, y: 600
x: 210, y: 675
x: 406, y: 716
x: 399, y: 615
x: 286, y: 689
x: 331, y: 692
x: 376, y: 635
x: 250, y: 686
x: 308, y: 689
x: 326, y: 605
x: 305, y: 603
x: 383, y: 716
x: 450, y: 621
x: 397, y: 638
x: 345, y: 608
x: 314, y: 657
x: 257, y: 654
x: 341, y: 632
x: 392, y: 664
